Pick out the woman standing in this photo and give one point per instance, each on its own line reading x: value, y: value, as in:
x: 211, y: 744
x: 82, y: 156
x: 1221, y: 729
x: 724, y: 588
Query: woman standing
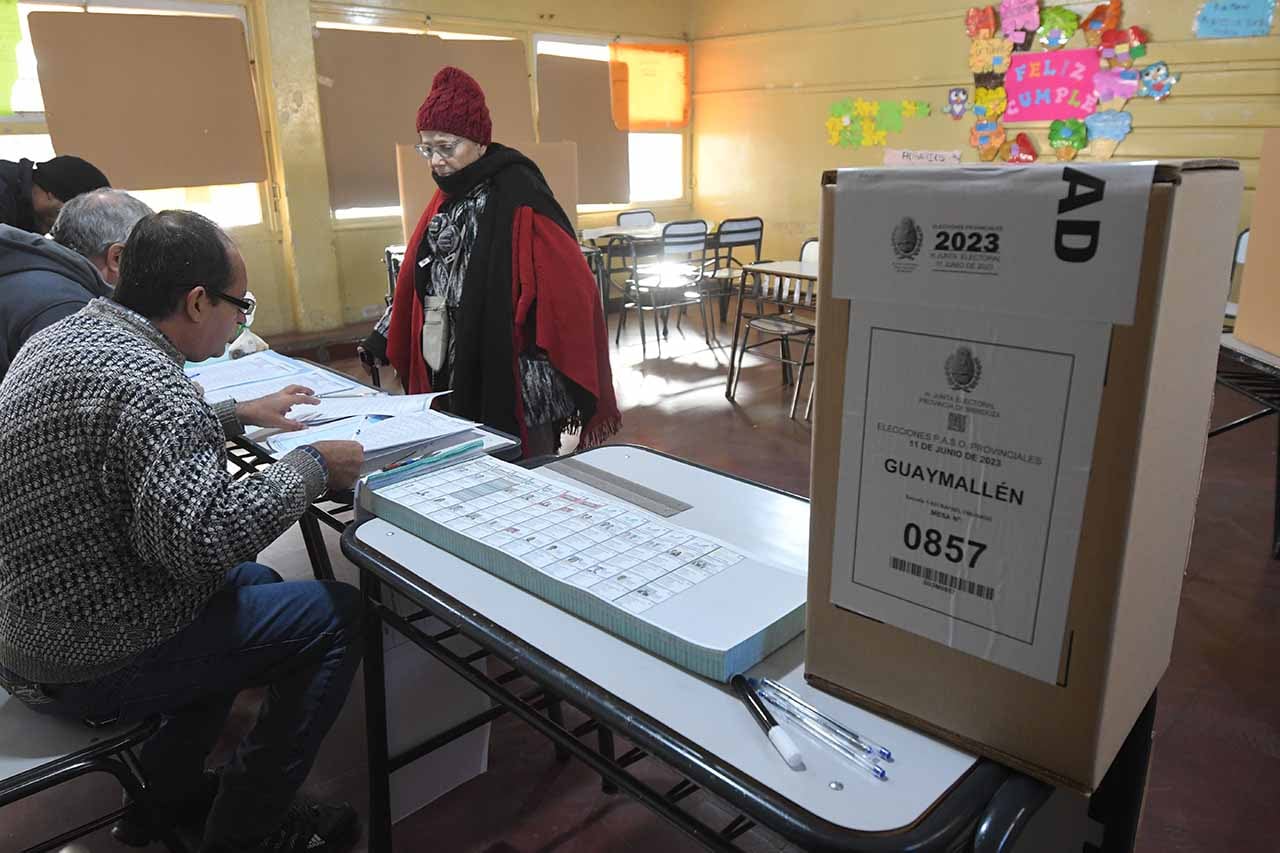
x: 494, y: 300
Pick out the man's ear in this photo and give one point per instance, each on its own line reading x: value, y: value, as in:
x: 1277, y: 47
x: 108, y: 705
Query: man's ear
x: 114, y: 253
x: 197, y: 304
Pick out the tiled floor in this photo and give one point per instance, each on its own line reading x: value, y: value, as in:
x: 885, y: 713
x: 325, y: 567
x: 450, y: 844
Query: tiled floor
x: 1215, y: 778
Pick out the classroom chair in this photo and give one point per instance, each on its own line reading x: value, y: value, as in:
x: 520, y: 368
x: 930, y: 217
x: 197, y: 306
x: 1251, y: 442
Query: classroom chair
x: 674, y: 281
x: 734, y: 238
x: 1237, y: 261
x: 40, y: 751
x: 636, y: 218
x: 790, y: 296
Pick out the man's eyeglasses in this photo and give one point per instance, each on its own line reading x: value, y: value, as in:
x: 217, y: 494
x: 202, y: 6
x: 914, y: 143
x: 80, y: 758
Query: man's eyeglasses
x: 247, y: 305
x: 445, y: 151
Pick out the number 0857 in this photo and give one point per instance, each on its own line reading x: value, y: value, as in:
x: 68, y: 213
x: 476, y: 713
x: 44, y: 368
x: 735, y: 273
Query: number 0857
x: 934, y: 543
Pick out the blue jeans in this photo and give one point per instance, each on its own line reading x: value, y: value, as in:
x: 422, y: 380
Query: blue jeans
x: 299, y: 639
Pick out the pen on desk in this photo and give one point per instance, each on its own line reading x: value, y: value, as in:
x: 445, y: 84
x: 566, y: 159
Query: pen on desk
x: 780, y: 739
x: 824, y: 735
x: 770, y: 690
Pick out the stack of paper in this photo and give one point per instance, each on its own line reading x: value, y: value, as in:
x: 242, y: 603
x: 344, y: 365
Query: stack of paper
x: 336, y: 408
x: 678, y: 593
x: 378, y: 435
x: 264, y: 373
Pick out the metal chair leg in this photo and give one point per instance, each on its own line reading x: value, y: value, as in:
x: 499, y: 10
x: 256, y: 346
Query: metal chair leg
x: 784, y: 350
x: 804, y: 359
x: 737, y: 374
x: 605, y: 743
x: 808, y: 407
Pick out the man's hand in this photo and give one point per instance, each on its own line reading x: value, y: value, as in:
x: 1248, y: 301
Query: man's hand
x: 270, y: 411
x: 343, y: 459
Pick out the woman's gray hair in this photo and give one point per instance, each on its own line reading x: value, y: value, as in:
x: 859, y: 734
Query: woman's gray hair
x: 94, y: 221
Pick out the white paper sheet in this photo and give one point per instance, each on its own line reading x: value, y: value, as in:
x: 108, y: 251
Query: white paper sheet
x: 321, y: 382
x: 251, y: 369
x: 406, y: 430
x: 336, y: 408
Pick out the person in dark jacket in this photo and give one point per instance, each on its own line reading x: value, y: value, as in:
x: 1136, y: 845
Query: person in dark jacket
x: 43, y: 280
x: 31, y: 194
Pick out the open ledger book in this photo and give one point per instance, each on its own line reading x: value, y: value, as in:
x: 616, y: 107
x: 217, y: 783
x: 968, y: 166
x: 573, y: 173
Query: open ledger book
x: 679, y: 594
x: 384, y: 439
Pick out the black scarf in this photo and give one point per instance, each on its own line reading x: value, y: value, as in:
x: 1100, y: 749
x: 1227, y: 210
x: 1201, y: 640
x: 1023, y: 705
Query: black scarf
x: 484, y: 368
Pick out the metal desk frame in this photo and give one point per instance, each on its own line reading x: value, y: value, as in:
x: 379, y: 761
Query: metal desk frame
x: 1260, y: 382
x: 984, y: 812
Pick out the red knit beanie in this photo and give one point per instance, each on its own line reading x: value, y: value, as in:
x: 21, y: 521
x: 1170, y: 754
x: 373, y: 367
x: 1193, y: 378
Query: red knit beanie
x: 456, y: 105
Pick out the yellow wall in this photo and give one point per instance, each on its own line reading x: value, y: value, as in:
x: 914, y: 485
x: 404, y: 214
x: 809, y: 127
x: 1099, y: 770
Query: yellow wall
x: 765, y: 74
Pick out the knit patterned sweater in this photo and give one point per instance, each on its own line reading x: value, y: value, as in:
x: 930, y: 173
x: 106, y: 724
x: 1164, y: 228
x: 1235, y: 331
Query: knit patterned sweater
x: 118, y: 518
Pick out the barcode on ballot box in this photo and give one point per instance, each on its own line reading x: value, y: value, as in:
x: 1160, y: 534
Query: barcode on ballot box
x: 942, y: 578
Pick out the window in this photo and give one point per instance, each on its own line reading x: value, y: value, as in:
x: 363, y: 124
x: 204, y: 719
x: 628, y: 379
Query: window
x: 229, y: 205
x: 656, y: 159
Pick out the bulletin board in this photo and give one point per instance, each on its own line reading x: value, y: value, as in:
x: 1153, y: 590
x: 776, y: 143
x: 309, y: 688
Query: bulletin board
x: 170, y: 103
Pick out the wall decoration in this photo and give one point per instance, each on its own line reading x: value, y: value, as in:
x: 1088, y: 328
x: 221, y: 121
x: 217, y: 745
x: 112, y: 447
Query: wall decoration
x: 1107, y: 129
x: 858, y: 123
x: 980, y: 23
x: 1019, y: 20
x: 988, y: 104
x: 1019, y: 150
x: 1068, y: 137
x: 1045, y: 86
x: 1104, y: 18
x: 1228, y: 19
x: 1121, y: 47
x: 1057, y: 25
x: 1022, y: 73
x: 987, y: 137
x: 1157, y: 82
x: 989, y: 54
x: 907, y: 157
x: 1115, y: 84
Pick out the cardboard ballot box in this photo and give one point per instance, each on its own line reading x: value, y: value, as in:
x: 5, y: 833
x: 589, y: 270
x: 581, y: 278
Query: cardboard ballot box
x: 1015, y: 371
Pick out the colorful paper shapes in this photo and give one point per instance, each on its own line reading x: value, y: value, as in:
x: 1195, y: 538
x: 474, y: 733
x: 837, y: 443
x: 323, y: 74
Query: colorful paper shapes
x: 1104, y: 18
x: 1107, y: 129
x: 1157, y: 82
x: 988, y: 104
x: 1057, y: 25
x: 858, y: 123
x: 980, y: 23
x: 989, y: 54
x: 1115, y: 83
x: 1227, y: 19
x: 1121, y: 47
x: 1019, y: 150
x: 1045, y: 86
x: 1068, y: 137
x: 987, y: 137
x: 989, y: 79
x: 1019, y: 20
x: 957, y: 102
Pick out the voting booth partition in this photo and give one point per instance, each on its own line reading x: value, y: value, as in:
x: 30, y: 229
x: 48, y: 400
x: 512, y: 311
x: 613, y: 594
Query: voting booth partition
x: 1015, y: 373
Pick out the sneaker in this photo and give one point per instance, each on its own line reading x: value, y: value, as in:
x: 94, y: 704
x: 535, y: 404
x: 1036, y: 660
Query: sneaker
x: 135, y: 829
x: 309, y: 827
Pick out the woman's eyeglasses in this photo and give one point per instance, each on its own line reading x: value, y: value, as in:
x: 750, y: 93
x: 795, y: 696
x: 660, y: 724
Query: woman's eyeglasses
x: 445, y: 151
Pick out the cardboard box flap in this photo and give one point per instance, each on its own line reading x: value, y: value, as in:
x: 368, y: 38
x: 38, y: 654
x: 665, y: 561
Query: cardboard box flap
x: 1049, y: 241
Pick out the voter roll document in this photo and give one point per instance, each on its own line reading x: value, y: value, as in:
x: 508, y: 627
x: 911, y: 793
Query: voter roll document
x: 983, y: 305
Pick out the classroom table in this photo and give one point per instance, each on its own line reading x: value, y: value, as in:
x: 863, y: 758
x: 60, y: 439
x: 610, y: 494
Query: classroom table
x: 938, y: 798
x: 1255, y: 373
x: 803, y: 270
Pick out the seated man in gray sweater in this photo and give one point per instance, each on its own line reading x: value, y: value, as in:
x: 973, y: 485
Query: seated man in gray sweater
x: 125, y: 583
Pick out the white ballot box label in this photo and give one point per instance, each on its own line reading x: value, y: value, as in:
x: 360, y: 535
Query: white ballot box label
x: 971, y: 403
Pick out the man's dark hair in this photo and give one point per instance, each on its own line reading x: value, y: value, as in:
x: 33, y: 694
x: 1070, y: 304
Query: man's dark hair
x: 168, y: 254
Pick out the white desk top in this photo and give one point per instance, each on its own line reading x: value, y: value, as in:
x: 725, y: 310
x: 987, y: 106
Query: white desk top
x: 636, y: 232
x: 791, y: 269
x: 1231, y: 342
x: 774, y: 527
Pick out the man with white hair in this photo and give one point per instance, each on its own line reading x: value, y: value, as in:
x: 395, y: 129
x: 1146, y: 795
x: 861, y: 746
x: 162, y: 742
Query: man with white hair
x: 43, y: 281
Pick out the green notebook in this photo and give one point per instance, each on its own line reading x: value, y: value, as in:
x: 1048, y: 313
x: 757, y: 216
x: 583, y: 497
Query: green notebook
x: 676, y: 593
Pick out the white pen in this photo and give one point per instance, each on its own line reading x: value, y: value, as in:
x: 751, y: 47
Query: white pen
x: 780, y: 739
